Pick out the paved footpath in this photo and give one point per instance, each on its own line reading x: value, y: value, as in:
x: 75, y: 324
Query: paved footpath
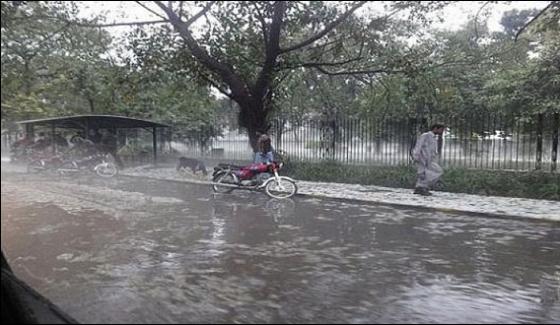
x: 489, y: 205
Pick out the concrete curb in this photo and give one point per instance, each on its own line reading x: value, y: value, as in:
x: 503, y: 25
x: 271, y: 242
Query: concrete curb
x: 373, y: 201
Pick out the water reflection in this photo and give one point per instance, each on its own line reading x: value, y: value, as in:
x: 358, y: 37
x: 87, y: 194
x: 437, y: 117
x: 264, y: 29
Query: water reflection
x: 199, y: 257
x: 281, y: 209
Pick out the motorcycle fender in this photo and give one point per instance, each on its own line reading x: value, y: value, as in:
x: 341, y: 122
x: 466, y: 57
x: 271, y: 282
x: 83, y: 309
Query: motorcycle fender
x: 218, y: 172
x: 99, y: 165
x: 272, y: 178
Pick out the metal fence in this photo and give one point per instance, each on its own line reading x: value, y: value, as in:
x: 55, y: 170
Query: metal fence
x: 479, y: 141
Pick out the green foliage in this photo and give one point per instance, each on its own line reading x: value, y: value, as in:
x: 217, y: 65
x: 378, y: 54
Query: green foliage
x: 450, y: 75
x: 53, y: 67
x: 133, y: 148
x: 312, y: 144
x: 49, y: 66
x: 154, y: 86
x: 537, y: 185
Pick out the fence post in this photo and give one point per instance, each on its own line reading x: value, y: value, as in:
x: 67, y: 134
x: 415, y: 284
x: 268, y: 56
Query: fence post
x: 554, y: 152
x: 440, y: 146
x: 412, y: 127
x: 333, y: 143
x: 154, y: 144
x: 538, y: 164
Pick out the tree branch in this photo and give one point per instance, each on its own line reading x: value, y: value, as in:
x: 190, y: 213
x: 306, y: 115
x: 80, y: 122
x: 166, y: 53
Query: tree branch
x: 138, y: 23
x: 355, y: 72
x: 322, y: 49
x: 92, y: 25
x: 48, y: 37
x: 263, y: 23
x: 325, y: 31
x: 216, y: 85
x: 472, y: 61
x: 320, y: 64
x: 181, y: 3
x: 520, y: 31
x: 358, y: 57
x: 272, y: 49
x: 476, y: 19
x: 150, y: 10
x: 201, y: 13
x: 237, y: 86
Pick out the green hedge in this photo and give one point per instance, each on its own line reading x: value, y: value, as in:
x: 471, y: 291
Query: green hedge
x: 537, y: 185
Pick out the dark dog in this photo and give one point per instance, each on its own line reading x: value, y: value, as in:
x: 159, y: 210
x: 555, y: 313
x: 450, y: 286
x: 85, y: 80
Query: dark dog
x: 194, y: 164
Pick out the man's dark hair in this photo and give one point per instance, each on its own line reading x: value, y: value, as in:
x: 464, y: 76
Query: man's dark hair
x: 266, y: 145
x: 437, y: 126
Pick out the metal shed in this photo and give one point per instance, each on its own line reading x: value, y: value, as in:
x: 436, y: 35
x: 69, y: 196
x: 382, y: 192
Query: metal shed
x: 89, y: 122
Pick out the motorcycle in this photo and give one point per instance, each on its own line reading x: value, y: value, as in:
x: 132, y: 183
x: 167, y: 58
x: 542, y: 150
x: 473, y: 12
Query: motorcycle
x: 97, y: 163
x: 227, y: 178
x: 41, y: 164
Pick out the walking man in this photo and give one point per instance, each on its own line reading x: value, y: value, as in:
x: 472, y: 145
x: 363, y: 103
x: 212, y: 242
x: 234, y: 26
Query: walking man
x: 425, y: 154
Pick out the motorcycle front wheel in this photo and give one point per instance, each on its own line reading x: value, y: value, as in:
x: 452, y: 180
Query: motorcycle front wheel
x: 106, y: 169
x: 281, y: 188
x: 68, y: 168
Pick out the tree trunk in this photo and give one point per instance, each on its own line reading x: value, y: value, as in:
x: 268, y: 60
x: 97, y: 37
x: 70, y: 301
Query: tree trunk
x: 91, y: 105
x: 253, y: 116
x: 539, y: 152
x: 555, y: 138
x: 255, y: 100
x: 27, y: 78
x: 281, y: 126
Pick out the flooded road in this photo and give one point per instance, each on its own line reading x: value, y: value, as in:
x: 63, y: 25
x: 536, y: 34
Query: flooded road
x: 136, y: 251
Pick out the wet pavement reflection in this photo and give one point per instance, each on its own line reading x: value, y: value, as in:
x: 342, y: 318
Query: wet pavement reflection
x: 126, y: 250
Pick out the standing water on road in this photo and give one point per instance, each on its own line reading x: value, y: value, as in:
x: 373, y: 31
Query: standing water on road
x: 125, y: 250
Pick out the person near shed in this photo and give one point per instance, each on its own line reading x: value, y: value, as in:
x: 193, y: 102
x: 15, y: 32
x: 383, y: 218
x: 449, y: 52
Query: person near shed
x: 110, y: 146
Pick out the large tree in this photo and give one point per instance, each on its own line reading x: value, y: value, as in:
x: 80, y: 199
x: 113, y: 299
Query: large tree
x: 244, y: 49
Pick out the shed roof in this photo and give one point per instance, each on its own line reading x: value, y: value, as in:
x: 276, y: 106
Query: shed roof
x: 93, y: 122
